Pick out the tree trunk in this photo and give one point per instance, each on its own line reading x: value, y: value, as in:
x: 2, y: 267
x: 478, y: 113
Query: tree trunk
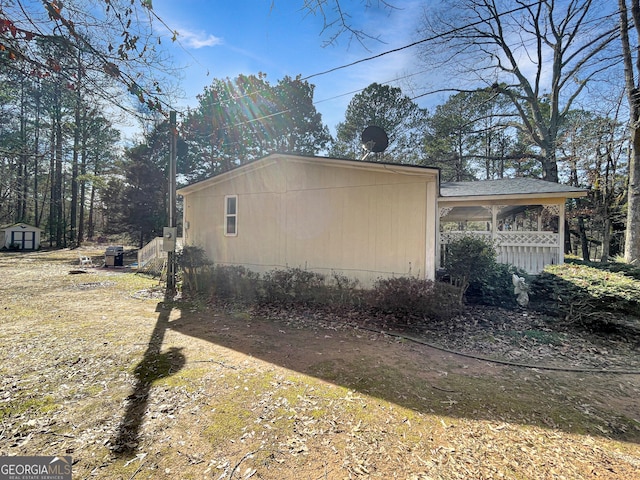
x: 83, y: 183
x: 90, y: 219
x: 606, y: 240
x: 550, y: 165
x: 584, y: 241
x: 632, y: 236
x: 73, y: 221
x: 22, y: 185
x: 608, y: 198
x: 36, y: 157
x: 52, y: 182
x: 57, y: 196
x: 567, y: 237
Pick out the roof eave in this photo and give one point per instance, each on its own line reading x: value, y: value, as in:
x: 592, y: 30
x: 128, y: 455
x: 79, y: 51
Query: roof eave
x: 518, y: 196
x: 255, y: 165
x: 336, y: 162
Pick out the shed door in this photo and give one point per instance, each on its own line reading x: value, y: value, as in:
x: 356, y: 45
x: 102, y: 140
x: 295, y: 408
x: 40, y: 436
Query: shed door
x: 26, y: 240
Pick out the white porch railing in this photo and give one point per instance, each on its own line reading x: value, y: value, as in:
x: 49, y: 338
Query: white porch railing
x: 153, y: 250
x: 150, y: 251
x: 530, y: 251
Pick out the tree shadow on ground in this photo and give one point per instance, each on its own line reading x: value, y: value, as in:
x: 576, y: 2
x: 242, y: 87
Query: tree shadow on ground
x: 154, y: 365
x: 428, y: 380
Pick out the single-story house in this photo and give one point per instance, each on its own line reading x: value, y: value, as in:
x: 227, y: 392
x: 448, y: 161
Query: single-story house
x: 365, y: 220
x: 20, y: 236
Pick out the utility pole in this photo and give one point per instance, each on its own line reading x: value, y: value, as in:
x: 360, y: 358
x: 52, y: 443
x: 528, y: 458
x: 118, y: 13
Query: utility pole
x: 170, y: 232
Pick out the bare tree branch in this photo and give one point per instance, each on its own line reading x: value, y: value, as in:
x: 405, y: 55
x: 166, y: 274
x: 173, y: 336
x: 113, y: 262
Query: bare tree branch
x: 549, y: 50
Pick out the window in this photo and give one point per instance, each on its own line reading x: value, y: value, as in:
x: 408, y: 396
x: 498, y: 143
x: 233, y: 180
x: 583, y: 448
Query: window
x: 231, y: 215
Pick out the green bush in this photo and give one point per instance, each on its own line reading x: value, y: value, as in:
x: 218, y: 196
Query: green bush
x: 408, y: 298
x: 582, y: 293
x: 469, y: 259
x: 195, y: 267
x: 495, y: 288
x: 632, y: 271
x: 236, y: 283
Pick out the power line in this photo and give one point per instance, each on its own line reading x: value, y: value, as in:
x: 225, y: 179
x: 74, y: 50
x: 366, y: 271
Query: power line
x: 381, y: 83
x: 424, y: 40
x: 388, y: 52
x: 379, y: 55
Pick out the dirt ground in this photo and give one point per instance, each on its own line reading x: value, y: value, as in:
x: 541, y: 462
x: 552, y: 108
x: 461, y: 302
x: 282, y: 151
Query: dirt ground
x: 95, y: 364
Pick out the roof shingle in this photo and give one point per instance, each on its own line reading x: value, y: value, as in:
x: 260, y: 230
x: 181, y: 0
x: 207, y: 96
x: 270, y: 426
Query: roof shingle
x: 506, y: 186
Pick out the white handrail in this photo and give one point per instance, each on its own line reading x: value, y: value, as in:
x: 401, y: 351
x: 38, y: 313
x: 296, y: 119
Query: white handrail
x: 153, y: 250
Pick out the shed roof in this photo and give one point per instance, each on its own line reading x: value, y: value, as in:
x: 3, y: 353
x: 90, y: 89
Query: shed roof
x: 508, y: 186
x: 18, y: 225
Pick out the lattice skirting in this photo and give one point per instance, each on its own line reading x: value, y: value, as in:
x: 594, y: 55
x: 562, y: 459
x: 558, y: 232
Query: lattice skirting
x: 153, y: 267
x: 530, y: 259
x: 530, y: 251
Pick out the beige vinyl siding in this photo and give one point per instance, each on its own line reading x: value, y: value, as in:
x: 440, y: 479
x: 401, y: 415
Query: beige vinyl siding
x: 363, y: 223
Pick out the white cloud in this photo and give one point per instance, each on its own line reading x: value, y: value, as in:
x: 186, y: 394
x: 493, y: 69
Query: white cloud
x: 198, y: 39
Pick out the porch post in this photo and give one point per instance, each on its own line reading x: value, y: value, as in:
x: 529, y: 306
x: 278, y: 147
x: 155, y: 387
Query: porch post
x: 432, y: 231
x: 540, y: 221
x: 440, y: 212
x: 561, y: 233
x: 437, y: 239
x: 494, y: 221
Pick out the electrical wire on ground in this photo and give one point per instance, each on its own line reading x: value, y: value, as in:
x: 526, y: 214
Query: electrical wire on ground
x: 500, y: 362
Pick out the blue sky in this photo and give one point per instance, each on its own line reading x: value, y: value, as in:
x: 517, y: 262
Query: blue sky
x: 222, y: 38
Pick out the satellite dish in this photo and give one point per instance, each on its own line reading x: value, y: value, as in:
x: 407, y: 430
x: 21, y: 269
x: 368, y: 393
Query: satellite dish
x: 374, y: 139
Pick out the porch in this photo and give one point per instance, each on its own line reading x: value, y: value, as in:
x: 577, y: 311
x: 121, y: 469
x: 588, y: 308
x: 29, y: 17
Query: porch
x: 530, y: 251
x: 524, y: 218
x: 526, y: 236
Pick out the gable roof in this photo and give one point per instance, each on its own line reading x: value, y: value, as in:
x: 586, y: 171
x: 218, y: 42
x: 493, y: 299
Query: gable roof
x: 20, y: 225
x: 476, y: 190
x: 508, y: 187
x: 337, y: 162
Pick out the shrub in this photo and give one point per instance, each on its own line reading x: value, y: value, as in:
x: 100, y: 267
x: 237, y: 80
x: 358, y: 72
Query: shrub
x: 585, y: 294
x: 469, y: 259
x: 344, y: 292
x: 632, y: 271
x: 408, y: 297
x: 237, y: 283
x: 195, y: 266
x: 292, y: 286
x: 495, y: 288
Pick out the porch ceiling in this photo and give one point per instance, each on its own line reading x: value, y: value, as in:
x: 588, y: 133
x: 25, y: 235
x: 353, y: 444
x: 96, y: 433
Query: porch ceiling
x: 479, y: 214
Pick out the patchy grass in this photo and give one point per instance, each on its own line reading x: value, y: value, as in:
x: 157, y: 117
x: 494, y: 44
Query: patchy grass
x: 540, y: 336
x: 39, y: 406
x: 135, y: 387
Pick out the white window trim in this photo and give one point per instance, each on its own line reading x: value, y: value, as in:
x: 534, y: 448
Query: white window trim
x: 227, y: 215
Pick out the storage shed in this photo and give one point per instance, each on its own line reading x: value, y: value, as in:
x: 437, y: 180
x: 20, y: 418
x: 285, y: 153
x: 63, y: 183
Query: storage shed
x: 20, y: 236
